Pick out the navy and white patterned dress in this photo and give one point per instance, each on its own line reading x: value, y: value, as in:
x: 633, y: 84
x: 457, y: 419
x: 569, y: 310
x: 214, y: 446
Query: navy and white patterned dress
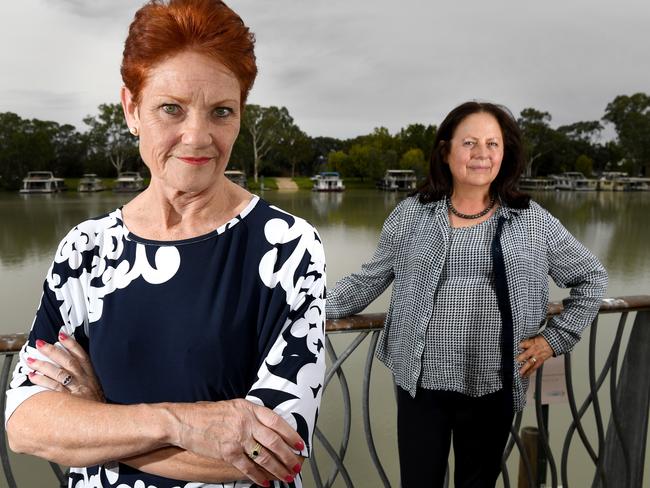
x: 236, y: 313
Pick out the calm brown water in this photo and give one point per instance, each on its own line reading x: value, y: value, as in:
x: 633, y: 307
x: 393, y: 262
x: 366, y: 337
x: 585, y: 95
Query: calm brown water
x: 615, y: 226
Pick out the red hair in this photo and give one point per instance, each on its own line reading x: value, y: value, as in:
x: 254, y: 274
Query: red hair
x: 162, y: 29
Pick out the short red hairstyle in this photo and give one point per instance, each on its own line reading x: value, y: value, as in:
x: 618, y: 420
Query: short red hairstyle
x: 162, y: 29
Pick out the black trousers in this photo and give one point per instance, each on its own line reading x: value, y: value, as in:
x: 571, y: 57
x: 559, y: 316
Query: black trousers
x: 426, y: 424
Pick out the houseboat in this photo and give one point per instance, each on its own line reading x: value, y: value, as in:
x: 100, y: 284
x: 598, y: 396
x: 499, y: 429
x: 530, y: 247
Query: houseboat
x: 238, y: 177
x: 42, y: 182
x: 608, y: 179
x: 398, y: 180
x: 537, y: 184
x: 574, y: 180
x: 89, y: 183
x: 328, y: 181
x: 638, y: 184
x: 129, y: 181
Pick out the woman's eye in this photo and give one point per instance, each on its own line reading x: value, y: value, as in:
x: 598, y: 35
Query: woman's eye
x: 171, y: 109
x: 468, y: 143
x: 493, y: 144
x: 223, y: 111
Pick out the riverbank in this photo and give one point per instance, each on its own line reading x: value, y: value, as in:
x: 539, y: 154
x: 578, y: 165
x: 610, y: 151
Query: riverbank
x: 269, y: 182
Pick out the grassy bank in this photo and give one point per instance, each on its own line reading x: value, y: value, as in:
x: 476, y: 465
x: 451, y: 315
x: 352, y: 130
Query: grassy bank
x: 358, y: 183
x: 269, y: 184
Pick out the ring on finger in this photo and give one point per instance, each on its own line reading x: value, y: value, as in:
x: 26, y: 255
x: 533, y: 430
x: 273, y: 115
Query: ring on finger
x: 257, y: 449
x: 533, y: 359
x: 67, y: 380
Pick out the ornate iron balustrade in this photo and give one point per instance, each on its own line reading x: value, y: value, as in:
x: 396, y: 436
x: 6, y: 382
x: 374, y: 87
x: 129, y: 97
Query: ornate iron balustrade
x: 617, y: 455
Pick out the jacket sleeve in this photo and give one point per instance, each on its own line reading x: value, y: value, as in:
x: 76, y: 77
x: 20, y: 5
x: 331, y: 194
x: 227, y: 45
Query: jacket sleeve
x: 572, y: 265
x: 291, y: 376
x: 355, y: 292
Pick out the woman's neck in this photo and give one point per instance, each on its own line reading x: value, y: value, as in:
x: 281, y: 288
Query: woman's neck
x: 473, y: 202
x: 161, y: 213
x: 470, y: 200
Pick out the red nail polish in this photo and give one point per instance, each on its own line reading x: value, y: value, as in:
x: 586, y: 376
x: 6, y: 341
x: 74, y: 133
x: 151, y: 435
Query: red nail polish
x: 40, y: 343
x: 297, y: 468
x: 62, y: 336
x: 266, y: 483
x: 30, y: 360
x: 300, y: 445
x: 288, y: 479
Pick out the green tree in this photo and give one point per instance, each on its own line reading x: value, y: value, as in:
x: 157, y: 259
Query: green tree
x: 585, y: 165
x: 267, y: 127
x: 414, y: 159
x: 339, y: 161
x: 297, y: 148
x: 537, y: 134
x: 418, y: 136
x: 630, y: 116
x: 27, y: 145
x: 109, y: 136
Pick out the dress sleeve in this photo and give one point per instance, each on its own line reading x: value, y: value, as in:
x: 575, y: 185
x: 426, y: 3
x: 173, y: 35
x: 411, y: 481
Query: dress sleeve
x: 355, y: 292
x: 572, y: 265
x: 290, y: 378
x: 60, y: 309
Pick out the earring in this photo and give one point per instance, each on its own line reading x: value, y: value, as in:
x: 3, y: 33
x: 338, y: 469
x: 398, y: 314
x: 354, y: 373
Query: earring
x: 134, y: 130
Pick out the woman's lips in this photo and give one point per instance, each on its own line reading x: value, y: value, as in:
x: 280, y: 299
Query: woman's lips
x: 194, y: 160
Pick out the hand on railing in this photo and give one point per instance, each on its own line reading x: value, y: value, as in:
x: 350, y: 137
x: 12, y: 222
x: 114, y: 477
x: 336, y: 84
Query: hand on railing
x: 68, y: 370
x: 535, y: 351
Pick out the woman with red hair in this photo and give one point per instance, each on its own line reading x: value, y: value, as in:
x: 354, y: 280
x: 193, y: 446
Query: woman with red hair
x: 179, y: 337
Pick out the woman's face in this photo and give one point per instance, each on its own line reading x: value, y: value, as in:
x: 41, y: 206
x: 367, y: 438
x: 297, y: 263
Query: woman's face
x: 188, y: 119
x: 476, y: 151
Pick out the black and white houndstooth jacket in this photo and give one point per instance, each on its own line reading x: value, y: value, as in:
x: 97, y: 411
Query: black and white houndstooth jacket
x: 412, y: 249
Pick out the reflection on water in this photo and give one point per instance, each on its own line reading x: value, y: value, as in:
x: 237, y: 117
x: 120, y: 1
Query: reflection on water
x: 33, y: 225
x: 613, y: 225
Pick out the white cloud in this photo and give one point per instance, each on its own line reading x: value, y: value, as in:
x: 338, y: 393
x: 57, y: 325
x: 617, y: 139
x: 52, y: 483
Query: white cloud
x: 345, y: 67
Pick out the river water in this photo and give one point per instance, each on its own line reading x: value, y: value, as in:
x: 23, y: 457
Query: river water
x: 615, y: 226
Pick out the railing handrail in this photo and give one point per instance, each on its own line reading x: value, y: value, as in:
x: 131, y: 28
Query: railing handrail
x: 374, y: 321
x: 11, y: 343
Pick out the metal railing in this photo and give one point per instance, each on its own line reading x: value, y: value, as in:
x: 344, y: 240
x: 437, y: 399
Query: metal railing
x: 617, y: 455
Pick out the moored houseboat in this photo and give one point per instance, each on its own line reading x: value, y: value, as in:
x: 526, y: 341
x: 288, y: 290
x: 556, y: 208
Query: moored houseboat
x: 608, y: 179
x: 128, y: 182
x: 42, y: 182
x: 398, y: 180
x: 238, y: 177
x: 638, y: 184
x: 90, y: 183
x: 328, y: 181
x: 574, y: 180
x: 537, y: 184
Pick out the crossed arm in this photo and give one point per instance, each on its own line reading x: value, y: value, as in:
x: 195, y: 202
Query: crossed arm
x: 206, y: 441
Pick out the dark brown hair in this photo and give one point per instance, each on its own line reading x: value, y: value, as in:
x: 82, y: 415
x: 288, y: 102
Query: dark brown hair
x: 439, y: 183
x: 162, y: 29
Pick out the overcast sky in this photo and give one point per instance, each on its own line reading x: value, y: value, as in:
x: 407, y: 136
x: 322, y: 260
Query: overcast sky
x: 343, y: 67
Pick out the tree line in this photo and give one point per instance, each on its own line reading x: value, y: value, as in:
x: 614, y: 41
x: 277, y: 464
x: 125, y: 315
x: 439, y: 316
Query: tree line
x: 271, y: 143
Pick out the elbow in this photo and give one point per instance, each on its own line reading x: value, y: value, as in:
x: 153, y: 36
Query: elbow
x: 16, y: 438
x: 22, y: 440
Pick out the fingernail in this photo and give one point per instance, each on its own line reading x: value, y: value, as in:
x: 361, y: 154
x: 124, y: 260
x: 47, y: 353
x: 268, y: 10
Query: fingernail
x: 40, y: 343
x: 288, y: 479
x: 62, y: 336
x: 300, y: 445
x: 266, y: 483
x: 297, y: 468
x: 30, y: 360
x: 32, y: 374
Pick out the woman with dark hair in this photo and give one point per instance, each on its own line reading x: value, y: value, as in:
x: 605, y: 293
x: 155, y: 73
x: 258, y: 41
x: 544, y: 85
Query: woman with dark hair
x: 469, y: 256
x: 179, y: 337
